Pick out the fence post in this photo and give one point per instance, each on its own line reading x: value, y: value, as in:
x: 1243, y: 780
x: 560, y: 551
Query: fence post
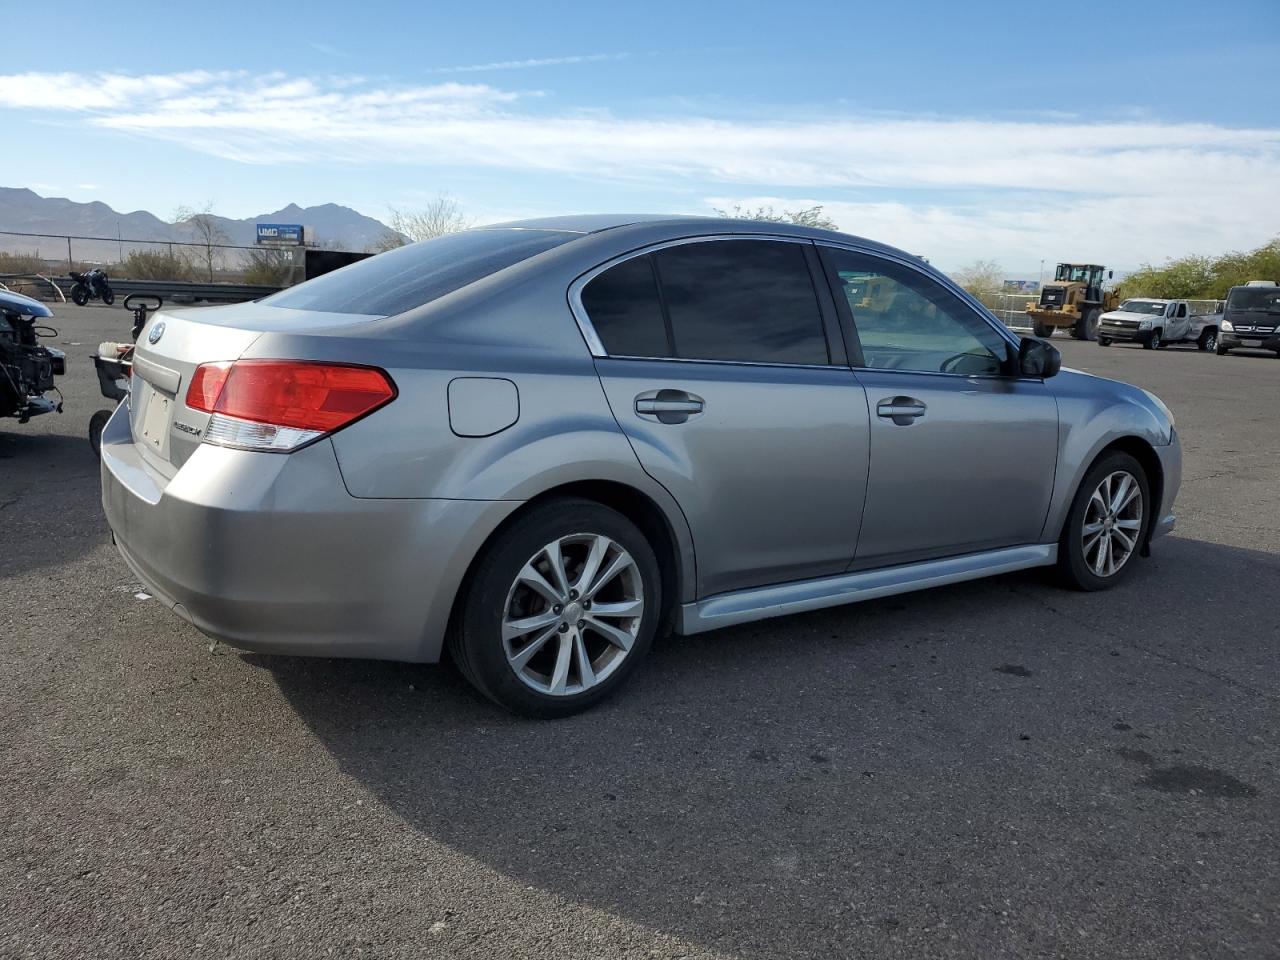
x: 70, y: 265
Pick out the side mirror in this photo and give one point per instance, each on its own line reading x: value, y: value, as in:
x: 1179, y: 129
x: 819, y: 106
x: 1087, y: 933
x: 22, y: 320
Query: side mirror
x: 1111, y: 274
x: 1037, y: 358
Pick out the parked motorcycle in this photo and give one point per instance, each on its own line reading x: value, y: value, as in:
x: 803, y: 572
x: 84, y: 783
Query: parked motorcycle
x: 91, y: 286
x: 27, y: 368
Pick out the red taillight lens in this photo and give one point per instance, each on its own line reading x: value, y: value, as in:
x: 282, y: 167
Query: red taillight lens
x: 290, y: 393
x: 206, y: 384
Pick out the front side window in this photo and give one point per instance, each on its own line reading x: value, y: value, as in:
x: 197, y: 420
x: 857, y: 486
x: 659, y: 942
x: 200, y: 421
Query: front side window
x: 745, y: 301
x: 905, y: 320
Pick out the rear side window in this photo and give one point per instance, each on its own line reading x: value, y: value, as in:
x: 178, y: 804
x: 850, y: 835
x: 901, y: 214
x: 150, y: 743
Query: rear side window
x: 408, y: 277
x: 625, y: 310
x: 744, y: 300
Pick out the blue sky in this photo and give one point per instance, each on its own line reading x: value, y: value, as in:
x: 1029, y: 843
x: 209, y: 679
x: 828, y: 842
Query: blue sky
x: 1123, y: 132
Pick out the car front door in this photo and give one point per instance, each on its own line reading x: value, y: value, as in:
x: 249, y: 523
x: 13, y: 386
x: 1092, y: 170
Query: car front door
x: 962, y: 455
x: 722, y: 361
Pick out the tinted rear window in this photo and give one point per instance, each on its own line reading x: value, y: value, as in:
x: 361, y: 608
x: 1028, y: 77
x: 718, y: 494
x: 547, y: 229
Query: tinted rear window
x: 625, y: 310
x: 408, y: 277
x: 744, y: 300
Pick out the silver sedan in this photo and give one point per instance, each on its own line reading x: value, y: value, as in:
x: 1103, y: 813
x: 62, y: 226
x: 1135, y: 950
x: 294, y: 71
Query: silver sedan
x: 540, y: 444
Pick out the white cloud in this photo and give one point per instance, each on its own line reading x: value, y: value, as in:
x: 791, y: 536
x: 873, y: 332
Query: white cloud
x: 1009, y: 188
x: 525, y: 64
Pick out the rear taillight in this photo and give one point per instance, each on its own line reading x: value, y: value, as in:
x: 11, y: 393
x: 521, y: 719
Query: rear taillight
x: 282, y: 404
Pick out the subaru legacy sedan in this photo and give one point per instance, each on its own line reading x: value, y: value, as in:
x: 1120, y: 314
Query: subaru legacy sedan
x: 540, y: 444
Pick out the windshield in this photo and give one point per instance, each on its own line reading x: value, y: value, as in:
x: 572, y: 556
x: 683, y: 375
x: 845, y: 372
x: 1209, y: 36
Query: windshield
x: 1254, y: 300
x: 408, y: 277
x: 1075, y: 273
x: 1153, y: 307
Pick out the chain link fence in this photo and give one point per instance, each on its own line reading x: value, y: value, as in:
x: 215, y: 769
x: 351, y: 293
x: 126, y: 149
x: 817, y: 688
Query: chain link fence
x: 54, y: 256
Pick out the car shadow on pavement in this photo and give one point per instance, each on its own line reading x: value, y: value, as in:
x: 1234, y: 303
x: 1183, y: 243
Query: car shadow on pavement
x: 50, y: 498
x: 1000, y: 762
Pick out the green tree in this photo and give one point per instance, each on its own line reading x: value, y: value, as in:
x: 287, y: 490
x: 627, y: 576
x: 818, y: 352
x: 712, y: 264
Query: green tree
x: 804, y: 217
x: 1204, y: 278
x: 983, y: 278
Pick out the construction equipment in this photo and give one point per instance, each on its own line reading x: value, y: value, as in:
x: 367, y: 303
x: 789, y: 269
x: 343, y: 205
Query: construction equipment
x: 1074, y: 299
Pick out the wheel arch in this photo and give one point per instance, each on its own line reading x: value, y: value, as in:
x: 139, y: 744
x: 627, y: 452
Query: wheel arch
x: 669, y: 536
x: 1142, y: 451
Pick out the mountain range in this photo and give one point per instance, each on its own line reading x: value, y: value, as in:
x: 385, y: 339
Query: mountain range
x: 25, y: 211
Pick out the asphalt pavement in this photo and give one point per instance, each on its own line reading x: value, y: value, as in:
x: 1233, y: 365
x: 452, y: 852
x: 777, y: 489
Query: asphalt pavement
x: 995, y: 769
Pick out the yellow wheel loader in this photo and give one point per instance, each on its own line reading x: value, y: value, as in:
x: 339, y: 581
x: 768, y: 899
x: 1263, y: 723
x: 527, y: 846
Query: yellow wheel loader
x: 1073, y: 299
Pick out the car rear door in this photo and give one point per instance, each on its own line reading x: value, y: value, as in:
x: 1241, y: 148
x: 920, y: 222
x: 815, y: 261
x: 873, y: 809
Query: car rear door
x: 962, y: 456
x: 723, y: 364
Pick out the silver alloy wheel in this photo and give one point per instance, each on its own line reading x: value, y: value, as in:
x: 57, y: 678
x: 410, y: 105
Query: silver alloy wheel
x: 1112, y: 523
x: 572, y: 614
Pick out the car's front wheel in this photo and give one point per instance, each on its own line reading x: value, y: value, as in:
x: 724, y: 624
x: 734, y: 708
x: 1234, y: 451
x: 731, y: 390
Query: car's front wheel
x: 1104, y: 341
x: 1106, y: 524
x: 559, y: 610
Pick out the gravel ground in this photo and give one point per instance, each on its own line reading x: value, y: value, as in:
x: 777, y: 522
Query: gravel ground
x: 997, y: 769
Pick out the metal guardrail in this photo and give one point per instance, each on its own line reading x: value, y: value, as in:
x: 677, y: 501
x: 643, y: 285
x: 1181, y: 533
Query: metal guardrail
x: 173, y: 291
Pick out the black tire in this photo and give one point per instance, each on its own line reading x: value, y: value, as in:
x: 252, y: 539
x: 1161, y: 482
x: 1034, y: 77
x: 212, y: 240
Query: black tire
x: 1072, y: 565
x: 475, y: 634
x: 1153, y: 341
x: 79, y: 294
x: 1221, y: 350
x: 1042, y: 330
x: 108, y: 296
x: 1208, y: 341
x: 1104, y: 341
x: 98, y: 423
x: 1086, y: 328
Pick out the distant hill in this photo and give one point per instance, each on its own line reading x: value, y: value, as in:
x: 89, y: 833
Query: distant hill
x: 25, y: 211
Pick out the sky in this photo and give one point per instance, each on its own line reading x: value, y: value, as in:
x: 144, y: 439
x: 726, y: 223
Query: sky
x: 1122, y: 132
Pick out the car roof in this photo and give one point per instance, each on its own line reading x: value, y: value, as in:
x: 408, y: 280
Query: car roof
x: 582, y: 222
x: 649, y: 223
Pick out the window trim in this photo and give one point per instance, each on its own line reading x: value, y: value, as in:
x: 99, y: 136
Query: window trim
x: 849, y: 326
x: 836, y: 353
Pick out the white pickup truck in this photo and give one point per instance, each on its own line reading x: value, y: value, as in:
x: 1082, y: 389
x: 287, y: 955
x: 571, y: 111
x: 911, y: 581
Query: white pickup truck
x: 1156, y: 323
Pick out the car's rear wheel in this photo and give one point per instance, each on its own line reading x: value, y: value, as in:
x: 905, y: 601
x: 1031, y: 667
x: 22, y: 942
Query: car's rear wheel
x: 1208, y: 340
x: 1107, y: 523
x: 559, y: 610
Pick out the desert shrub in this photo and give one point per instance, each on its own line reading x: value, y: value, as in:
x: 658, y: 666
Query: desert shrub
x: 154, y: 265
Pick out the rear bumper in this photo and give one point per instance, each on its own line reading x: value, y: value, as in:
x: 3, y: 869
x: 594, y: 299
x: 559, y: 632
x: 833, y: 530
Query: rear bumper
x: 269, y: 552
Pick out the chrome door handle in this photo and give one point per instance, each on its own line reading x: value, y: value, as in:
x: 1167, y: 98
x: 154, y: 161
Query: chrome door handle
x: 668, y: 406
x: 903, y: 411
